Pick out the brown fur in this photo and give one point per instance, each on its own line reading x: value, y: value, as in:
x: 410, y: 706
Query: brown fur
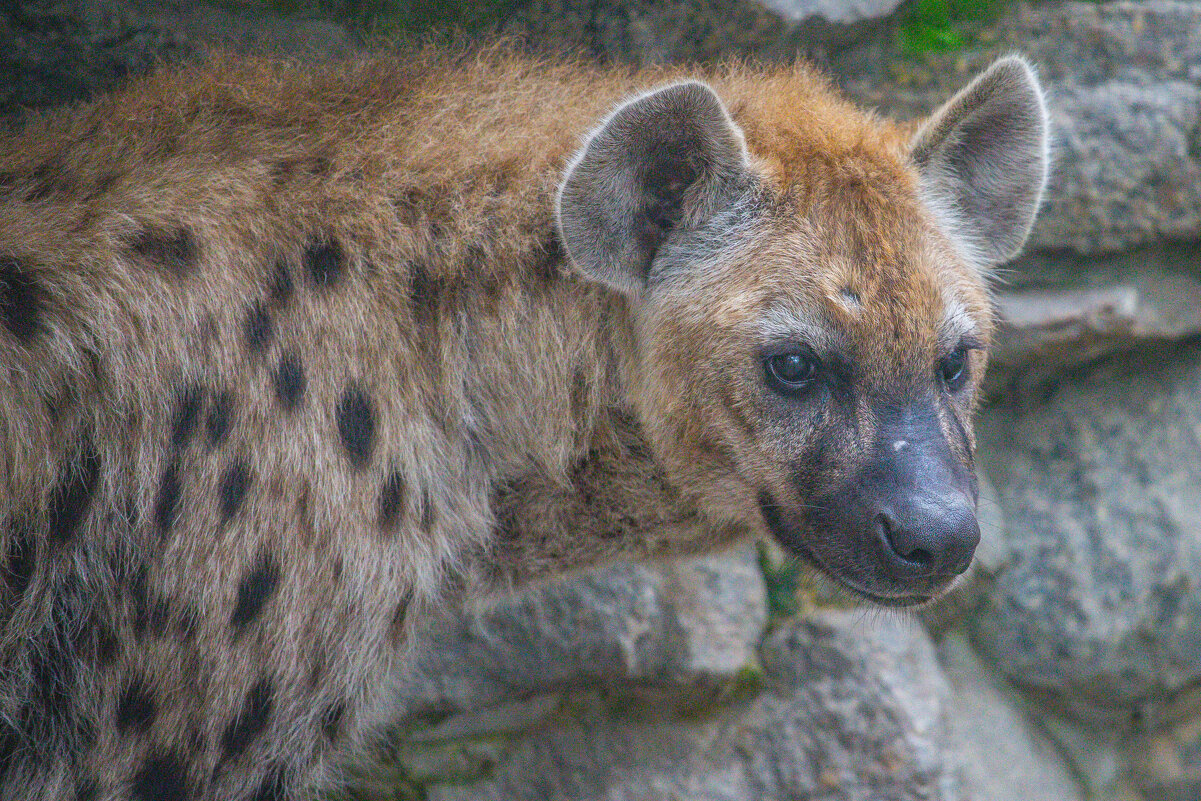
x: 299, y: 356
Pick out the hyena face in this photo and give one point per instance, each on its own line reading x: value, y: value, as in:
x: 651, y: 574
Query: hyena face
x: 812, y: 316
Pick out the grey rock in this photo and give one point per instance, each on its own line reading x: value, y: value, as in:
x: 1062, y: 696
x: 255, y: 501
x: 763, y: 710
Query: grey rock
x: 1097, y: 607
x: 1127, y: 170
x: 854, y: 708
x: 832, y: 11
x: 1044, y: 332
x: 1006, y: 757
x: 687, y: 629
x: 61, y: 51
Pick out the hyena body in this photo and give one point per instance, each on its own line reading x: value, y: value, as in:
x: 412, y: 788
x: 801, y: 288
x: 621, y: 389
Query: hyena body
x: 291, y: 357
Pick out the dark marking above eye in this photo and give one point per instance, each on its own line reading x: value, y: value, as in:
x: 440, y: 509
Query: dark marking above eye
x: 87, y: 790
x: 391, y: 501
x: 356, y: 425
x: 21, y: 302
x: 175, y: 249
x: 220, y: 418
x: 258, y: 328
x: 254, y: 591
x: 187, y: 413
x: 289, y: 381
x: 252, y: 719
x: 166, y: 500
x: 71, y: 498
x: 162, y: 778
x: 233, y: 489
x: 136, y: 708
x: 324, y: 262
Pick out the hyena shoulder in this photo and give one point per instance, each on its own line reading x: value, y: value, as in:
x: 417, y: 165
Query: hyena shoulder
x: 292, y: 356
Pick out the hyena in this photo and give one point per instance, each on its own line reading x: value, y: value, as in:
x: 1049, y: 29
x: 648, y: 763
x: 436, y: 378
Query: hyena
x: 291, y: 357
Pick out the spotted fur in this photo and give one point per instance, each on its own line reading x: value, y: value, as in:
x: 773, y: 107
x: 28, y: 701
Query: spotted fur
x: 290, y: 356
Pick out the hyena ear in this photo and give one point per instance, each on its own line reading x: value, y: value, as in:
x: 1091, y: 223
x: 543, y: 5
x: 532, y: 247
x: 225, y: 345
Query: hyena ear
x: 663, y: 160
x: 983, y: 159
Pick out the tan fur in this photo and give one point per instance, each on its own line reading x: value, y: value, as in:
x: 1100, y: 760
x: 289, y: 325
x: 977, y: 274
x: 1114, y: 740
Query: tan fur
x: 523, y: 420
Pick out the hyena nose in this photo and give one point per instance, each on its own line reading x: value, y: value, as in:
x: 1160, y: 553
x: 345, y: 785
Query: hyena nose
x: 929, y: 538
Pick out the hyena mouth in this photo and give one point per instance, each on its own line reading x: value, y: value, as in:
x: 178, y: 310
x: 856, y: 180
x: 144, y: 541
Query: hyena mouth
x: 795, y: 545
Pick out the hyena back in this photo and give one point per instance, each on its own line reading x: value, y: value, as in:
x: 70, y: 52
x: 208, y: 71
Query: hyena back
x: 290, y: 357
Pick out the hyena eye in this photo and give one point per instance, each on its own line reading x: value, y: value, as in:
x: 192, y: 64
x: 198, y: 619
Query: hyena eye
x: 790, y: 372
x: 954, y: 369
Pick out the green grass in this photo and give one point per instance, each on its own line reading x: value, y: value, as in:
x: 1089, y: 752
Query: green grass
x: 940, y: 26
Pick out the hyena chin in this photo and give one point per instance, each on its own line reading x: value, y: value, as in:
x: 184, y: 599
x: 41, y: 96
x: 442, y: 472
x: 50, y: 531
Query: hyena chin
x: 293, y: 356
x: 812, y: 310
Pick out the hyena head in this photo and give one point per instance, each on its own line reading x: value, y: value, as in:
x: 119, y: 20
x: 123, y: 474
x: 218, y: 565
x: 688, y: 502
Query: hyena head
x: 808, y: 291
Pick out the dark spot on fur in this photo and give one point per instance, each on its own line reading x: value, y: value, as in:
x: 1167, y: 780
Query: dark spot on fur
x: 87, y: 791
x: 356, y: 425
x: 136, y: 708
x: 187, y: 624
x: 233, y: 489
x: 174, y: 250
x: 429, y: 515
x: 273, y: 788
x: 22, y: 557
x: 50, y: 179
x: 220, y: 418
x: 258, y: 328
x: 290, y: 381
x: 424, y: 294
x: 103, y: 184
x: 162, y: 778
x: 187, y: 413
x: 331, y: 721
x: 166, y: 500
x: 255, y: 589
x: 324, y: 262
x: 391, y: 501
x: 71, y: 498
x: 21, y: 302
x: 102, y: 646
x: 397, y: 625
x: 159, y: 615
x: 281, y: 287
x: 251, y: 720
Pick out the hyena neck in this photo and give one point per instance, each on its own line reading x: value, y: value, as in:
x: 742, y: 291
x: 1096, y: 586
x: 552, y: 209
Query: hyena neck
x: 574, y: 480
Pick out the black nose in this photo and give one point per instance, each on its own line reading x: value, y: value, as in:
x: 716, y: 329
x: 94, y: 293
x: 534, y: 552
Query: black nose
x: 929, y: 537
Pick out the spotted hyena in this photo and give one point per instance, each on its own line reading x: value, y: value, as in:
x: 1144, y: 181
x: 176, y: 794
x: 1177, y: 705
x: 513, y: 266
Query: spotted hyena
x: 290, y: 357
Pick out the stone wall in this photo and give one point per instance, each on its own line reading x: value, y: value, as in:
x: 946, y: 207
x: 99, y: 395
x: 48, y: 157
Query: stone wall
x: 1068, y: 667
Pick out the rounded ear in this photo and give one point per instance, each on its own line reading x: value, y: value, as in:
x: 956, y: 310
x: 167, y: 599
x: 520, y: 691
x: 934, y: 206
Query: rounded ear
x: 663, y: 160
x: 984, y: 158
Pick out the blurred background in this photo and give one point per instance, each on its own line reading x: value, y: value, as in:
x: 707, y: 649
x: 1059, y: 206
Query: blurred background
x: 1067, y: 666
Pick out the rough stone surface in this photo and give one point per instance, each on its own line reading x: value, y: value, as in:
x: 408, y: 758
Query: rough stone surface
x: 1147, y: 298
x: 687, y: 628
x: 61, y: 51
x: 853, y: 708
x: 1006, y: 757
x: 1098, y: 606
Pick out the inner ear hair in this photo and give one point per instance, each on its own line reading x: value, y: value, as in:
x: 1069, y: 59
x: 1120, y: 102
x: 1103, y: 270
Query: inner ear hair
x: 662, y: 160
x: 984, y: 159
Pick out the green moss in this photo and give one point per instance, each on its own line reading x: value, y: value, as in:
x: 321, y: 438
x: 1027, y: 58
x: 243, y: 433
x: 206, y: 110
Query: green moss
x: 782, y: 580
x: 939, y: 26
